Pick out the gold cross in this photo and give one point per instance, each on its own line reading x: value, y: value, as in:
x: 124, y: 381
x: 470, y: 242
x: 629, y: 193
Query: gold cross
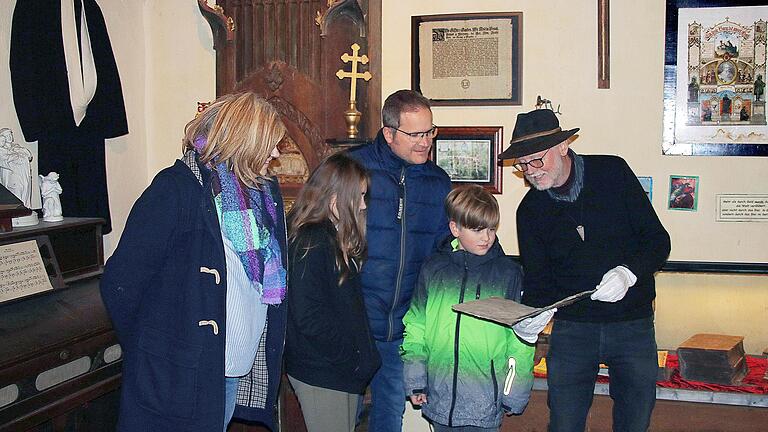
x: 354, y: 74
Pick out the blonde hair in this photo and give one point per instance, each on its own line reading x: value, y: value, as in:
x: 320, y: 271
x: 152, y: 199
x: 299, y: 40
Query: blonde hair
x: 472, y: 207
x: 240, y: 130
x: 342, y: 177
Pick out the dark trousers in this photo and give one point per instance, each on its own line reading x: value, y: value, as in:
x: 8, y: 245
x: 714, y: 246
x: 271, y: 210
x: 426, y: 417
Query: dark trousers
x: 577, y: 349
x: 388, y: 390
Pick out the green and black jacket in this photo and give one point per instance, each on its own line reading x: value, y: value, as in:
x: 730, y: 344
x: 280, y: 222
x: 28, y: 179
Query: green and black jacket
x: 471, y: 370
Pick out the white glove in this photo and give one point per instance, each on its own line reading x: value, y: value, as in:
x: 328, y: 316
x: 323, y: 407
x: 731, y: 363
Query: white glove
x: 529, y: 328
x: 614, y: 285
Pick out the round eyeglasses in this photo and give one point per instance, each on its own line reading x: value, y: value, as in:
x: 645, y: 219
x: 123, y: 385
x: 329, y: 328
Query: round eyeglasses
x: 418, y: 136
x: 536, y: 163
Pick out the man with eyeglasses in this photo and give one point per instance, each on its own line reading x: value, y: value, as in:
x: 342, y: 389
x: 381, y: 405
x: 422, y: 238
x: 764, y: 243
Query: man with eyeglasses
x: 406, y: 221
x: 587, y: 224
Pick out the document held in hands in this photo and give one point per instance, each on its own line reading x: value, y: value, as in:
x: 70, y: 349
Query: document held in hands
x: 508, y: 312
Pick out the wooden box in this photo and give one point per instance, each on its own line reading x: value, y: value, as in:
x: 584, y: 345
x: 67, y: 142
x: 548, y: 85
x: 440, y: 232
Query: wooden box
x: 713, y: 358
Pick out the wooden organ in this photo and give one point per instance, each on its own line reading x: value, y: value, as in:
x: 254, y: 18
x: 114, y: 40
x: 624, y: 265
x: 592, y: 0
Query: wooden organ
x: 59, y: 358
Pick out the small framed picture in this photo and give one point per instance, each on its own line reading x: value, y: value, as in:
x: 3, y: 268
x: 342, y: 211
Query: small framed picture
x: 647, y: 184
x: 683, y: 192
x: 470, y: 155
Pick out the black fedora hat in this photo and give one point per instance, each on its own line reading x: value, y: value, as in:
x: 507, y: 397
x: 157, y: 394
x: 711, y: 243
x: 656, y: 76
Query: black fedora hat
x: 535, y: 131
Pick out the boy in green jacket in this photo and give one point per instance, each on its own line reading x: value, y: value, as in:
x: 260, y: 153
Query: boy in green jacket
x: 465, y: 372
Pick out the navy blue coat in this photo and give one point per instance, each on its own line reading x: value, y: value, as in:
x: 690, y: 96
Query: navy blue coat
x: 399, y: 239
x: 165, y: 290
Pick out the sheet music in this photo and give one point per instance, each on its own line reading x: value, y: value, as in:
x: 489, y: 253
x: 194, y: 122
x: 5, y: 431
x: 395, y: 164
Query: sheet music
x: 508, y: 312
x: 22, y: 271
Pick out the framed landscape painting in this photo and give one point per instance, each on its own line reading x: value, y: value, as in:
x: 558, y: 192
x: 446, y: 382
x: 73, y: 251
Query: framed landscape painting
x: 470, y: 155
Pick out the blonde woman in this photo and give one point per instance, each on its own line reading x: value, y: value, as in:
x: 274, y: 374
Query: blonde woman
x: 330, y: 353
x: 195, y: 286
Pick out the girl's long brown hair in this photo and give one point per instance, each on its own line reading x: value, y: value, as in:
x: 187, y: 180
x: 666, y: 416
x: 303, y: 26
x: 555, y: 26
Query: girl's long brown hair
x: 342, y: 177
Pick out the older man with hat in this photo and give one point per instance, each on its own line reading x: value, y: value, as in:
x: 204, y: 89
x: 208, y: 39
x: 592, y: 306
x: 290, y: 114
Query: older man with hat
x: 586, y: 224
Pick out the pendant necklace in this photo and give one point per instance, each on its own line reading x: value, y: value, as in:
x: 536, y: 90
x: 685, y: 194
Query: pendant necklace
x: 579, y: 226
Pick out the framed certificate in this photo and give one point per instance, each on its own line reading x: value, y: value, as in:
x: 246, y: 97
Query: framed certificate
x: 468, y: 59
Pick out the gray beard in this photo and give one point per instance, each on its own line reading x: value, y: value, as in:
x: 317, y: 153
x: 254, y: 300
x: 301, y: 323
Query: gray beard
x: 578, y: 181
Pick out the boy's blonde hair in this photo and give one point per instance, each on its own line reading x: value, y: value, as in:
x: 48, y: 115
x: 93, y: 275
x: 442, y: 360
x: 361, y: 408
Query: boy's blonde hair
x: 472, y: 207
x: 240, y: 130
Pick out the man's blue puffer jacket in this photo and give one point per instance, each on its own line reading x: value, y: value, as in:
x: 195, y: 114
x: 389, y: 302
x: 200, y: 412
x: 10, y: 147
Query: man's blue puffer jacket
x: 399, y: 239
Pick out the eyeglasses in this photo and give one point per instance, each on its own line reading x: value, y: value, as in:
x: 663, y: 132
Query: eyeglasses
x: 418, y: 136
x: 536, y: 163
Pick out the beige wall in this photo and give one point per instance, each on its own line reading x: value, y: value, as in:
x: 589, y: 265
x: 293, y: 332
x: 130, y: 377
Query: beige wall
x: 164, y: 52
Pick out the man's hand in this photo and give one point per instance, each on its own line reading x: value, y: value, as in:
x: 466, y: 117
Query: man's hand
x: 419, y: 399
x: 529, y: 328
x: 614, y: 285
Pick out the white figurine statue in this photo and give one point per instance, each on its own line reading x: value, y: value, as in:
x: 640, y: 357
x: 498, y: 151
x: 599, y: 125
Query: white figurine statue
x: 50, y: 190
x: 16, y: 173
x: 15, y: 167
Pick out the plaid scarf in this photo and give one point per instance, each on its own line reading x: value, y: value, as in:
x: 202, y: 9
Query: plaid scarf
x: 248, y: 219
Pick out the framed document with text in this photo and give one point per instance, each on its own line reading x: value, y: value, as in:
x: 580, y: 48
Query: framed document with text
x: 469, y: 155
x: 468, y: 59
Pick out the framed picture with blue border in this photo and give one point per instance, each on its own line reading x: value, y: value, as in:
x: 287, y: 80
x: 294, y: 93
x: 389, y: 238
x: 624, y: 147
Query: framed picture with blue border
x: 647, y: 184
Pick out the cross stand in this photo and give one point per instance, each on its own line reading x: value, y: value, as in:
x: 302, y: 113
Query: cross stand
x: 352, y: 115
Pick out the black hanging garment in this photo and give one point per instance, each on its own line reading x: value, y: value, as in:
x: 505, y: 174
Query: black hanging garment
x: 46, y: 111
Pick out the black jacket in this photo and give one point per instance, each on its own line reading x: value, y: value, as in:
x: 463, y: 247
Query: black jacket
x: 621, y: 228
x: 328, y: 343
x: 39, y: 74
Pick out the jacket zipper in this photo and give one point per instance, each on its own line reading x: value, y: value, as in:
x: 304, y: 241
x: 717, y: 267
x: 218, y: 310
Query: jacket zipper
x: 286, y: 261
x: 495, y: 383
x: 456, y: 347
x: 398, y: 283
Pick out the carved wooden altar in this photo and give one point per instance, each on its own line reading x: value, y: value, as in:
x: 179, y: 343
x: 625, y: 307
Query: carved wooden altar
x: 289, y: 52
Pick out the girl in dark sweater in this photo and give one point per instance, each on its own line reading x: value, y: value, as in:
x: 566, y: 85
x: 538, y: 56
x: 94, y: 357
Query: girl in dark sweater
x: 330, y: 354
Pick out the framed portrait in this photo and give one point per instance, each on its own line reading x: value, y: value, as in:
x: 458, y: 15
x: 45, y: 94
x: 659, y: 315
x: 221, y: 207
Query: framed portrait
x: 470, y: 155
x: 683, y: 193
x: 714, y: 78
x: 468, y: 59
x: 647, y: 184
